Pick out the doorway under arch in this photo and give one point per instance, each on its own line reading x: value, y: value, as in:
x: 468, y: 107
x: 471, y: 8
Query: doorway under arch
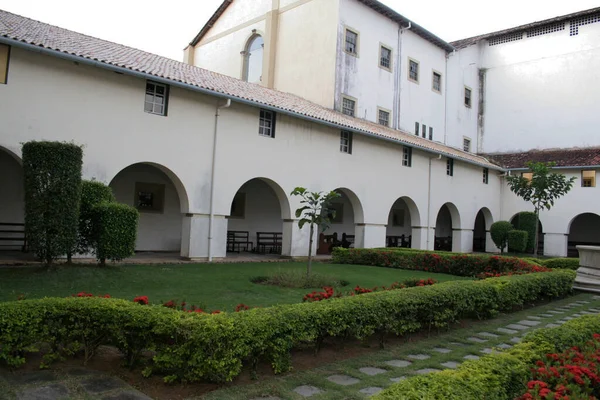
x: 446, y: 223
x: 483, y: 223
x: 345, y: 229
x: 584, y: 230
x: 404, y: 214
x: 12, y: 202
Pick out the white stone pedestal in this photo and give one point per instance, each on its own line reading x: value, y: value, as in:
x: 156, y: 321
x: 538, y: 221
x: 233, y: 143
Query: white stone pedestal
x: 588, y: 274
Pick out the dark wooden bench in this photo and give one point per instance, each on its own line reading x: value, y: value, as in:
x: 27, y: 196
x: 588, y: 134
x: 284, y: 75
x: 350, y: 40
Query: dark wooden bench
x: 399, y: 241
x: 479, y: 244
x: 327, y: 243
x: 270, y: 241
x: 347, y: 241
x: 13, y: 235
x: 236, y: 240
x: 443, y: 243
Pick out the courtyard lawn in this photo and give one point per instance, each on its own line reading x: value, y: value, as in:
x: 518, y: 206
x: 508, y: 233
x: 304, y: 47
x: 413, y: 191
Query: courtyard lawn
x: 210, y: 286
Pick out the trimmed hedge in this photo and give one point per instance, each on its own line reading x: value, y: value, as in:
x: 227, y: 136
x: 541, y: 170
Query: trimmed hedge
x: 114, y: 231
x: 499, y: 376
x: 92, y: 194
x: 52, y: 177
x: 565, y: 263
x: 442, y: 262
x: 193, y: 347
x: 499, y: 233
x: 527, y: 222
x: 517, y: 241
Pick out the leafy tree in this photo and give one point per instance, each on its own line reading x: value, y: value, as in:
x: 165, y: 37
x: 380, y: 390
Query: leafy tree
x: 499, y: 233
x: 92, y: 194
x: 542, y: 190
x: 315, y: 210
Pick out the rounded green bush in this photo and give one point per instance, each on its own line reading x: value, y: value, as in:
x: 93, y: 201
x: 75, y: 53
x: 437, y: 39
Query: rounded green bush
x: 114, y: 231
x: 517, y: 241
x: 92, y: 194
x: 499, y: 232
x: 564, y: 263
x: 527, y: 223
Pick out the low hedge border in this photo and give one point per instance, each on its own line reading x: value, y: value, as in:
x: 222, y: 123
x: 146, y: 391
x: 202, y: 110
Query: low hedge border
x: 193, y: 347
x: 565, y: 263
x: 440, y: 262
x: 498, y: 376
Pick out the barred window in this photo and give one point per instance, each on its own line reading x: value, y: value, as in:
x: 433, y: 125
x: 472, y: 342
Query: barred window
x: 384, y: 118
x: 430, y: 133
x: 424, y: 130
x: 417, y: 127
x: 385, y: 57
x: 346, y: 142
x: 436, y: 84
x: 407, y: 157
x: 348, y: 106
x: 588, y: 178
x: 413, y: 70
x: 486, y: 175
x: 266, y: 125
x: 468, y: 94
x: 467, y: 144
x: 450, y: 167
x: 156, y: 99
x: 351, y: 42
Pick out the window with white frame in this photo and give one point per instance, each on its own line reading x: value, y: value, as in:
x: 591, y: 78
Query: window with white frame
x: 424, y: 130
x: 351, y: 42
x: 468, y: 94
x: 588, y: 178
x: 430, y: 133
x: 385, y: 57
x: 436, y: 82
x: 486, y: 175
x: 384, y: 117
x: 417, y: 127
x: 346, y: 142
x: 266, y: 123
x: 413, y: 70
x: 348, y: 106
x: 156, y: 99
x: 467, y: 144
x: 407, y: 156
x: 450, y: 167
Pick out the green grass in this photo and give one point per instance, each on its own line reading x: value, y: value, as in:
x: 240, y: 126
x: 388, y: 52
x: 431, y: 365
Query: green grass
x: 214, y: 286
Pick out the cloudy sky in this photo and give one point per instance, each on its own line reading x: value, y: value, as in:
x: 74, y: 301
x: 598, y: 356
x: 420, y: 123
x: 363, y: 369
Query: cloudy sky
x: 165, y: 27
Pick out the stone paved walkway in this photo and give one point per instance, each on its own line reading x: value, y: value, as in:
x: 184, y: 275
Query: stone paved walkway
x: 356, y: 378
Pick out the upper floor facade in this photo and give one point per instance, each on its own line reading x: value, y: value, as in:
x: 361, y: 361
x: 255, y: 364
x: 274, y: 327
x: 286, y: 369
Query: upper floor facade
x: 523, y: 88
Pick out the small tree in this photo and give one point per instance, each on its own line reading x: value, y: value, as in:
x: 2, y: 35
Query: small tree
x: 314, y: 211
x: 542, y: 190
x: 92, y: 194
x: 114, y: 228
x: 52, y: 176
x: 499, y: 233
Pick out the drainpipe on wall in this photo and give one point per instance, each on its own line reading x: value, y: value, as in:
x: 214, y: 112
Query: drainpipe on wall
x: 439, y: 157
x: 398, y: 83
x: 446, y: 98
x: 212, y: 179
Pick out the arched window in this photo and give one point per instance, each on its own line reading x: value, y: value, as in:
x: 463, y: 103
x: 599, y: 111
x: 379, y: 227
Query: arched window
x: 253, y: 59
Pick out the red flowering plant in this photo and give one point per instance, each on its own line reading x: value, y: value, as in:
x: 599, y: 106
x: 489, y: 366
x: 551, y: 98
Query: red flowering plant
x: 573, y: 374
x: 141, y: 300
x: 328, y: 292
x: 85, y: 294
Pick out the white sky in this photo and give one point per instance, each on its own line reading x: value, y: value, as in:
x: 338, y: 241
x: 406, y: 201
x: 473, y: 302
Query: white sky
x: 165, y: 27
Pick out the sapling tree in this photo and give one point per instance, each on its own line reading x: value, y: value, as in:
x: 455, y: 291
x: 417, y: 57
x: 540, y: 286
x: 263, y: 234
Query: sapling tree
x: 315, y: 210
x: 542, y: 190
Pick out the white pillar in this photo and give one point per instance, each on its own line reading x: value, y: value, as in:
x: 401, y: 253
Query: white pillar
x: 295, y: 240
x: 462, y: 240
x: 490, y: 246
x: 556, y: 244
x: 194, y: 237
x: 419, y: 237
x: 369, y: 236
x: 430, y: 240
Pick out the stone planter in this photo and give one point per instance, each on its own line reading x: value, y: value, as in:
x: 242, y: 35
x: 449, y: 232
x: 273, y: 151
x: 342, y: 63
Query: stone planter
x: 588, y: 273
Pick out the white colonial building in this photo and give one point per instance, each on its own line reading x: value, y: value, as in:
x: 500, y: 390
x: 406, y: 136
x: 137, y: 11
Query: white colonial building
x: 364, y: 101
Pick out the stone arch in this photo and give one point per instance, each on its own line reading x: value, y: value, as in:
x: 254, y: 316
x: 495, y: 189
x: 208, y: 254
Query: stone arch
x: 583, y: 229
x: 514, y: 220
x: 448, y: 228
x: 162, y: 200
x: 12, y: 199
x: 481, y: 229
x: 404, y: 215
x: 253, y: 58
x: 347, y: 227
x: 256, y: 218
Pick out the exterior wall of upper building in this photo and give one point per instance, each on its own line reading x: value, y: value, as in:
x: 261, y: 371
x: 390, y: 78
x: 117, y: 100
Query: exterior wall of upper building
x: 104, y: 112
x: 299, y: 45
x: 542, y: 91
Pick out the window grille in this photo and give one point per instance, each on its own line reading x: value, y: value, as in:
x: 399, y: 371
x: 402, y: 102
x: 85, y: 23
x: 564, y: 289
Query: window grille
x: 586, y: 20
x: 510, y: 37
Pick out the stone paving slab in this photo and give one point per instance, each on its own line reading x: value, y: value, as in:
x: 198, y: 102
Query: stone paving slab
x: 370, y: 391
x: 101, y: 384
x: 29, y: 378
x: 307, y: 391
x: 582, y: 302
x: 487, y: 334
x: 471, y: 357
x: 594, y: 310
x: 343, y: 380
x: 555, y: 312
x: 585, y: 312
x: 515, y: 339
x: 46, y: 392
x: 371, y: 371
x: 504, y: 346
x: 266, y: 398
x: 441, y: 350
x: 517, y: 327
x: 568, y: 318
x: 529, y: 323
x: 398, y: 379
x: 398, y: 363
x: 477, y: 340
x: 546, y: 315
x: 450, y: 364
x: 504, y: 330
x: 552, y: 325
x: 127, y: 396
x: 426, y: 371
x: 487, y: 350
x: 533, y: 317
x: 419, y: 356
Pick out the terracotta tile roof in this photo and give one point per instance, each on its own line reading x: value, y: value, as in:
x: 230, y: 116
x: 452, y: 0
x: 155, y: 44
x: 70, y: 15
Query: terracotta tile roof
x: 17, y: 31
x: 459, y: 44
x: 374, y: 4
x: 574, y: 157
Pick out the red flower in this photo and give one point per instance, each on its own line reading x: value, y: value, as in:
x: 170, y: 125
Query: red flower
x: 141, y: 300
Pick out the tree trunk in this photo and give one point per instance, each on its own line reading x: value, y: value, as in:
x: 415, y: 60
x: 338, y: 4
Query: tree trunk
x: 310, y: 244
x: 69, y: 258
x: 537, y: 228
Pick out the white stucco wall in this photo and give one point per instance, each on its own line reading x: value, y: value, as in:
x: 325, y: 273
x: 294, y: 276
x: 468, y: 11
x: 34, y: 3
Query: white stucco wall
x: 541, y: 92
x: 104, y: 112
